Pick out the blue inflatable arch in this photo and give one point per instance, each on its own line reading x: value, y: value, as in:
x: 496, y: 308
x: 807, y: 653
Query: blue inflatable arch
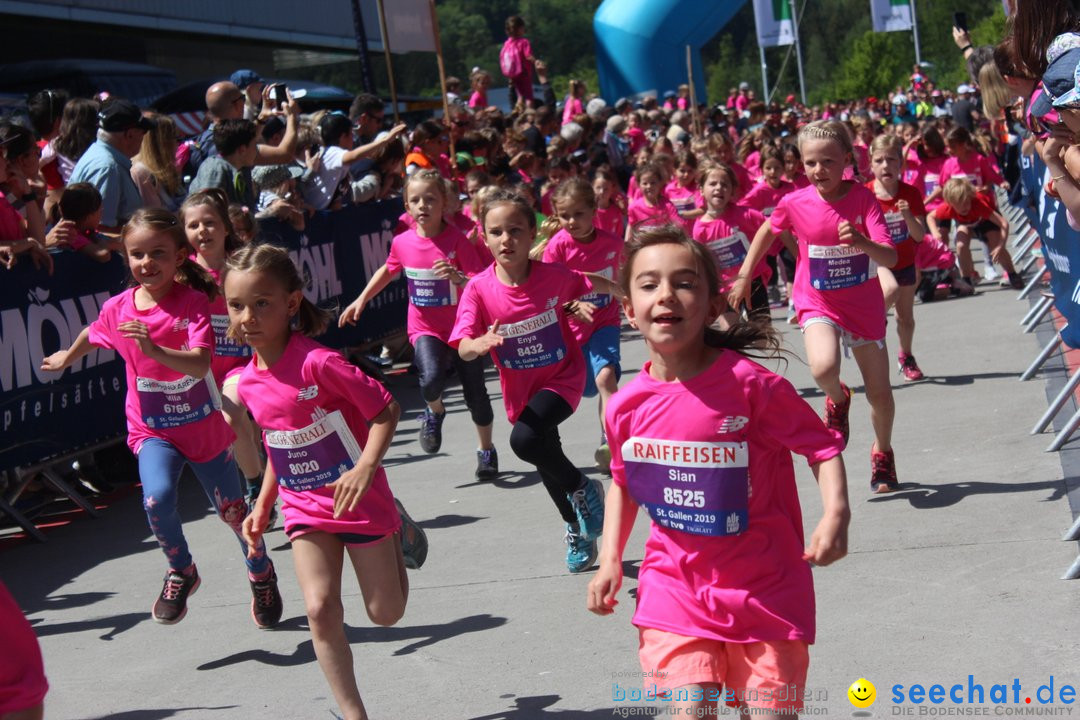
x: 641, y: 44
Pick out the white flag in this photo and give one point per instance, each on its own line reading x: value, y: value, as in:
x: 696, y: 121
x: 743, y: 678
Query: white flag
x: 408, y: 26
x: 891, y: 15
x: 774, y: 24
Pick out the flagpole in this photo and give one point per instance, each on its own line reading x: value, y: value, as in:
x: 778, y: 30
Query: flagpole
x: 442, y: 80
x: 389, y: 62
x: 915, y: 29
x: 693, y: 93
x: 764, y: 73
x: 798, y: 52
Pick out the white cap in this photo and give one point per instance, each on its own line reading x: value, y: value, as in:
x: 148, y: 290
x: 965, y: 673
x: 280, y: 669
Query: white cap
x: 964, y: 90
x: 899, y: 99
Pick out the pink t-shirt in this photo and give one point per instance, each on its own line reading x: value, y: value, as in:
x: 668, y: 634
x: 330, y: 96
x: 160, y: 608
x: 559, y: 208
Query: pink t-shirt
x: 912, y: 164
x: 801, y: 181
x: 10, y: 222
x: 161, y: 402
x: 976, y: 167
x: 724, y: 555
x: 314, y: 409
x: 637, y: 138
x: 742, y: 176
x: 571, y: 109
x: 610, y: 219
x: 478, y: 100
x: 229, y: 355
x: 835, y: 281
x: 684, y: 199
x: 432, y: 301
x: 22, y: 673
x: 539, y: 351
x: 763, y: 197
x: 752, y: 163
x: 601, y: 256
x: 728, y: 237
x: 932, y: 254
x: 862, y: 160
x: 641, y: 213
x: 929, y: 179
x: 524, y: 49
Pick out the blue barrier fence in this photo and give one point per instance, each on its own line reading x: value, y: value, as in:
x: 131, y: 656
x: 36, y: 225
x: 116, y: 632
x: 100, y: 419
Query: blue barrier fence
x: 45, y: 415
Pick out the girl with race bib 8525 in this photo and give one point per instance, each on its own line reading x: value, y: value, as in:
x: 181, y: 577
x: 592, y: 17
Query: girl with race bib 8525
x: 842, y: 238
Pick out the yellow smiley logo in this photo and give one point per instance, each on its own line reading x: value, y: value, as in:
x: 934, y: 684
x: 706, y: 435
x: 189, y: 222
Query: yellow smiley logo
x: 862, y: 693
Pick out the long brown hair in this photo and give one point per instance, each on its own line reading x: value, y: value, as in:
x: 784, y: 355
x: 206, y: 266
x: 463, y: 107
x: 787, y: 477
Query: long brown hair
x: 275, y: 262
x: 158, y: 153
x: 756, y: 333
x: 163, y: 222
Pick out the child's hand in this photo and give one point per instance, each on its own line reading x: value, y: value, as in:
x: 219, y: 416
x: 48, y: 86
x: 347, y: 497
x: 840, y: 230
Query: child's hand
x: 580, y: 309
x: 903, y: 206
x: 740, y: 293
x: 603, y: 588
x: 350, y: 488
x: 489, y: 340
x: 138, y: 331
x: 41, y: 257
x: 828, y: 543
x: 61, y: 234
x: 351, y: 314
x: 848, y: 234
x: 396, y: 132
x: 445, y: 271
x: 55, y: 362
x: 7, y: 257
x: 253, y: 528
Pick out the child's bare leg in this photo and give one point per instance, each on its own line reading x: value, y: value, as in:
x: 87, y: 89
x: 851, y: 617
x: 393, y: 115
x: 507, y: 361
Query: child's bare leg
x: 380, y: 569
x: 889, y: 286
x: 874, y: 364
x: 905, y: 316
x: 823, y: 354
x: 606, y: 386
x: 999, y: 253
x: 318, y: 557
x: 963, y: 251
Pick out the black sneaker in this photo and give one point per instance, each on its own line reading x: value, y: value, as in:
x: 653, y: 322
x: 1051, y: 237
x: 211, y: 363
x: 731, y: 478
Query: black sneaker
x: 487, y: 465
x: 266, y: 606
x: 431, y: 430
x: 414, y: 542
x: 171, y: 605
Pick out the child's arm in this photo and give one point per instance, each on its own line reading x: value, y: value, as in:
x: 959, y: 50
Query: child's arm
x: 64, y: 358
x: 472, y: 348
x: 620, y: 510
x: 602, y: 284
x: 351, y: 156
x: 999, y: 220
x: 376, y: 285
x: 828, y: 542
x: 255, y: 523
x: 740, y: 289
x: 915, y: 228
x: 934, y: 228
x: 351, y: 487
x: 881, y: 254
x: 194, y: 362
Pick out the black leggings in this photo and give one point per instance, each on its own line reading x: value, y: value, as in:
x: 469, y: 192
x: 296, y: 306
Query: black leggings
x: 433, y: 357
x: 535, y: 439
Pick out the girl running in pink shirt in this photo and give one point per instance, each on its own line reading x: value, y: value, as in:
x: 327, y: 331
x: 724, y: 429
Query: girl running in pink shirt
x: 326, y: 427
x: 518, y: 311
x: 683, y: 190
x: 726, y: 229
x: 580, y: 245
x: 842, y: 238
x: 905, y: 217
x: 437, y: 260
x: 652, y: 207
x: 610, y: 202
x: 161, y: 327
x: 725, y: 607
x: 205, y: 216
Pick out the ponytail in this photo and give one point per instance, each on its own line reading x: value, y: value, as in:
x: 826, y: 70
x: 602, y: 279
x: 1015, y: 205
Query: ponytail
x: 196, y: 277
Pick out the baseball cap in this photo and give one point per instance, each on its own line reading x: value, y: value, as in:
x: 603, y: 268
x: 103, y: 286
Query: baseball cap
x: 899, y: 99
x: 245, y: 77
x: 935, y: 93
x: 118, y: 115
x: 963, y: 90
x: 790, y: 100
x: 594, y: 106
x: 744, y: 85
x: 1060, y: 79
x: 616, y: 124
x: 268, y: 176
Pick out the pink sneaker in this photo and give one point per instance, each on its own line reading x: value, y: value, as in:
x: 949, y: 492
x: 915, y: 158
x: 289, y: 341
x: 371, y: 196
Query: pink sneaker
x: 909, y: 368
x: 882, y: 472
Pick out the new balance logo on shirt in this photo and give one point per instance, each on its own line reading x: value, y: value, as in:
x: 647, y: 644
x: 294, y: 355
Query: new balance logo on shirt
x: 732, y: 423
x: 181, y: 324
x: 309, y: 393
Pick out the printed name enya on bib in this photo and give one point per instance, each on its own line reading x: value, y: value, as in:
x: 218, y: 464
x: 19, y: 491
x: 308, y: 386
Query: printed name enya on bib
x: 311, y: 457
x: 701, y: 488
x: 532, y: 343
x: 835, y: 267
x: 729, y: 251
x: 225, y: 346
x: 169, y: 404
x: 428, y: 290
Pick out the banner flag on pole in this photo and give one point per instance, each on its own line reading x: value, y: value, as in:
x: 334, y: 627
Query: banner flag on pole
x: 891, y: 15
x: 774, y: 23
x: 408, y: 26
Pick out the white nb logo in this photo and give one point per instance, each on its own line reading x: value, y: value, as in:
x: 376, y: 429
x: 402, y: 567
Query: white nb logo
x: 732, y: 423
x: 309, y: 393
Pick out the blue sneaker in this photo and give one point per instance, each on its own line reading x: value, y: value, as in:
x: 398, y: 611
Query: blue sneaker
x: 580, y: 553
x: 588, y: 502
x: 431, y: 431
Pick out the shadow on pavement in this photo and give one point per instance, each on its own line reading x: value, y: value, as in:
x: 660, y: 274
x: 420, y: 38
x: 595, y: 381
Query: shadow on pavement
x: 528, y: 708
x: 448, y: 521
x: 156, y: 714
x: 930, y: 497
x: 424, y: 635
x: 115, y: 624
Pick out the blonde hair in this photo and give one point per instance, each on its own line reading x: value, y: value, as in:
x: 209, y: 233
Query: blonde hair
x: 827, y: 130
x: 887, y: 143
x: 958, y: 190
x: 158, y: 153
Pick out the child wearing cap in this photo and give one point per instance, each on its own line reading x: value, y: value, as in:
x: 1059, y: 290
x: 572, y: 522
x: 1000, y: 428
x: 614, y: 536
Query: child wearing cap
x: 278, y: 196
